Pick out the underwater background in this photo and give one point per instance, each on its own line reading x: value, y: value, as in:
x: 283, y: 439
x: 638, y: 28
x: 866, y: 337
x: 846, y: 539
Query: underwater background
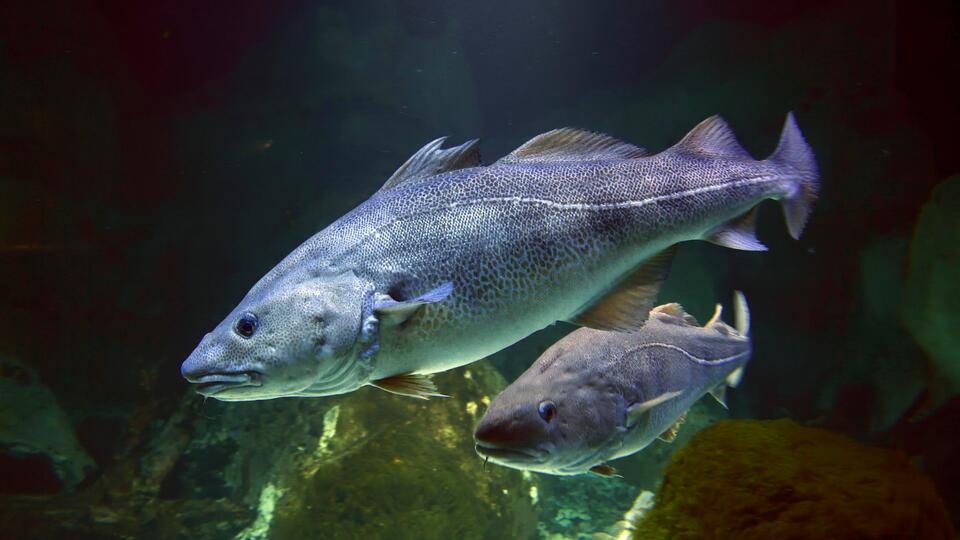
x: 156, y: 159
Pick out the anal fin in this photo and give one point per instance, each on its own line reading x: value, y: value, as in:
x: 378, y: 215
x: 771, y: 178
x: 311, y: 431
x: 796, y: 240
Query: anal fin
x: 671, y: 433
x: 625, y: 307
x: 412, y: 385
x: 719, y: 393
x: 738, y: 233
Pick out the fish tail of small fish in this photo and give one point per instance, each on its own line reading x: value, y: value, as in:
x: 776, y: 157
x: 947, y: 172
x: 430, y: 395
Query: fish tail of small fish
x: 795, y: 158
x: 741, y: 316
x: 741, y: 313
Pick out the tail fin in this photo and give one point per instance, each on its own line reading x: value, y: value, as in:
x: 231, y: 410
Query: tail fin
x: 741, y: 315
x: 795, y: 156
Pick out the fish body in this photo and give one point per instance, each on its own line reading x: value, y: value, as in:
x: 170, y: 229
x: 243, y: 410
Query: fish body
x: 451, y: 261
x: 595, y: 396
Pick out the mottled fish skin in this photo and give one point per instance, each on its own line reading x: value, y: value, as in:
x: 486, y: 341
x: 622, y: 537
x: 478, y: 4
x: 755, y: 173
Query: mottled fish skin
x: 597, y: 381
x: 532, y: 239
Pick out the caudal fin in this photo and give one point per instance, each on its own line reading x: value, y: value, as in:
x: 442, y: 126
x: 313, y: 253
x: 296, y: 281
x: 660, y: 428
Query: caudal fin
x: 741, y: 314
x: 795, y: 157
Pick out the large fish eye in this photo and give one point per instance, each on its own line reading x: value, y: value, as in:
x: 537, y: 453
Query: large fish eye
x: 547, y: 410
x: 246, y: 324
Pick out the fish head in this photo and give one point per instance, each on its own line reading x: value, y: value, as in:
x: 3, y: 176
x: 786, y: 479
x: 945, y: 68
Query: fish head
x: 561, y: 420
x: 282, y: 339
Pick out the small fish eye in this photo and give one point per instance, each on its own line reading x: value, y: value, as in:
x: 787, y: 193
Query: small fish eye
x: 547, y: 410
x: 246, y: 325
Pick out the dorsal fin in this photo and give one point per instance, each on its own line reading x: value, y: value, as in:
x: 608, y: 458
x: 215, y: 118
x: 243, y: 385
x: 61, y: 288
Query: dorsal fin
x: 571, y: 144
x: 674, y: 313
x: 712, y: 137
x: 432, y: 160
x: 717, y: 312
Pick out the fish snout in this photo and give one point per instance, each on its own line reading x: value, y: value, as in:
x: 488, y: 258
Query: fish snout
x: 506, y: 453
x: 492, y: 434
x: 209, y: 379
x: 506, y: 441
x: 213, y: 383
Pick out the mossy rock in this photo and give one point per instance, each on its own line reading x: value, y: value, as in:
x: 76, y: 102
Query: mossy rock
x: 386, y: 466
x: 750, y: 479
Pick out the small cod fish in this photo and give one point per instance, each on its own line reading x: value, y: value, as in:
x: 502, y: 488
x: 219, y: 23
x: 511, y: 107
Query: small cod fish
x: 451, y: 261
x: 597, y: 395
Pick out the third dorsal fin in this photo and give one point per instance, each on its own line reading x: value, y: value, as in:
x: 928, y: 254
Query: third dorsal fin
x: 571, y: 144
x: 431, y: 160
x: 712, y: 137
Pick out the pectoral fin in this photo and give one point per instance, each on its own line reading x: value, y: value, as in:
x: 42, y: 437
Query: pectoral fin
x: 605, y: 470
x: 671, y: 433
x: 409, y: 384
x: 638, y: 411
x: 627, y: 305
x: 392, y: 312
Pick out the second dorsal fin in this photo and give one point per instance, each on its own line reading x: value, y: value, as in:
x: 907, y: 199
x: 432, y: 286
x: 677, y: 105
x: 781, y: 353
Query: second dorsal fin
x: 432, y: 160
x: 571, y: 144
x: 712, y: 137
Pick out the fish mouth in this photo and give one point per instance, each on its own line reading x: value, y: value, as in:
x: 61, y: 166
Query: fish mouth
x: 508, y: 454
x: 215, y: 383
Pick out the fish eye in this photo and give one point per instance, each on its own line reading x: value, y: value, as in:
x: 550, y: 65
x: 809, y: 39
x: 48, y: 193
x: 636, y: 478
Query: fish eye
x: 547, y: 410
x: 246, y: 325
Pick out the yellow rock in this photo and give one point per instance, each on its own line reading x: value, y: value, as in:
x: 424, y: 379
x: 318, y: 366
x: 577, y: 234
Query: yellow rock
x: 750, y: 479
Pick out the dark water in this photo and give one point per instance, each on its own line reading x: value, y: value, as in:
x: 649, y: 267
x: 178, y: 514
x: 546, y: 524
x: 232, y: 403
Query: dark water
x: 157, y: 159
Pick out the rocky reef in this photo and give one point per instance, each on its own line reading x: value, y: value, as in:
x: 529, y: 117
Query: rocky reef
x: 369, y: 464
x: 751, y: 479
x: 38, y: 451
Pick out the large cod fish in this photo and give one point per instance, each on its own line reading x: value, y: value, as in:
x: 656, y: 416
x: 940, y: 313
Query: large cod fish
x: 452, y: 261
x: 595, y: 396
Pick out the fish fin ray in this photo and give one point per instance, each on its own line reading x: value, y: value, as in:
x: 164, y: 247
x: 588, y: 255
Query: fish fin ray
x: 413, y: 385
x: 432, y: 160
x: 391, y: 311
x: 674, y: 313
x: 712, y: 137
x: 626, y: 307
x: 734, y: 378
x: 795, y: 155
x: 717, y: 312
x: 605, y: 470
x: 571, y: 144
x: 741, y: 313
x: 719, y: 393
x: 670, y: 434
x: 637, y: 411
x: 738, y: 233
